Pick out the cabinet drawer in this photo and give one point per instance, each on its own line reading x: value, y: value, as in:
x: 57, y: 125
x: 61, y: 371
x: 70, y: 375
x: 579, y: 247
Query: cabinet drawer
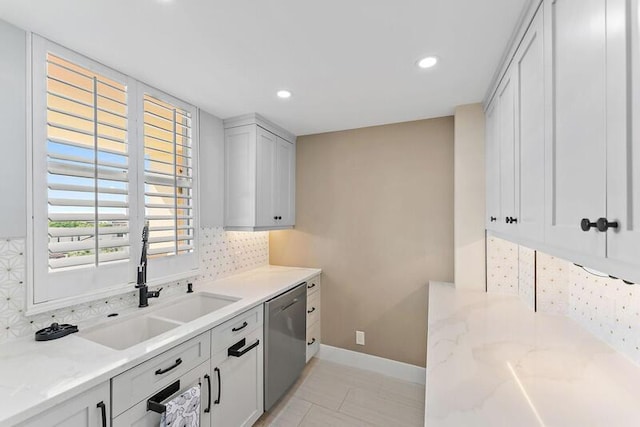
x: 313, y: 339
x: 313, y: 308
x: 313, y: 285
x: 148, y: 378
x: 139, y: 416
x: 231, y: 331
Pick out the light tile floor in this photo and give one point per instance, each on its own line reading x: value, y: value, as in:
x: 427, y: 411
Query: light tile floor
x: 329, y: 394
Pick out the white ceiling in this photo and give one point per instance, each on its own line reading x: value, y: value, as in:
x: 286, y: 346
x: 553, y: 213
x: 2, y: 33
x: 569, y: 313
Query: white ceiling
x: 349, y: 63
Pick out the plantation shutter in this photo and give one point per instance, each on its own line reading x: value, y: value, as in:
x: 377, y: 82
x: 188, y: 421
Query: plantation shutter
x: 85, y: 171
x: 169, y: 184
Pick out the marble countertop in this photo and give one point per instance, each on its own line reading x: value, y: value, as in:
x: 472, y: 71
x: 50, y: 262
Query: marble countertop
x: 491, y: 361
x: 35, y: 376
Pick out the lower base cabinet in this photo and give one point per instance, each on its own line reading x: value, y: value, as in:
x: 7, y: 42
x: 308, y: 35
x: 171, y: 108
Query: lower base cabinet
x: 89, y: 409
x: 238, y: 382
x: 140, y: 416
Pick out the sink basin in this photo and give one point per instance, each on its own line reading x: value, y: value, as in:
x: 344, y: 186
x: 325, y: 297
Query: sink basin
x: 194, y: 306
x: 121, y: 334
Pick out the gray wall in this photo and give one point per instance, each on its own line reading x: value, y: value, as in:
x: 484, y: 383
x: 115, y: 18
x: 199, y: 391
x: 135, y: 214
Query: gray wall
x: 13, y: 166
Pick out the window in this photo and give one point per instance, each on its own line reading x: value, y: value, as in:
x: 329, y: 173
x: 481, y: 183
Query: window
x: 108, y: 155
x: 167, y: 132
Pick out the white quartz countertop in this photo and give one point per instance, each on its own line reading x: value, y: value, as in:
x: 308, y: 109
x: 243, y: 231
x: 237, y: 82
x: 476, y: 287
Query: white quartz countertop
x: 35, y: 376
x: 491, y: 361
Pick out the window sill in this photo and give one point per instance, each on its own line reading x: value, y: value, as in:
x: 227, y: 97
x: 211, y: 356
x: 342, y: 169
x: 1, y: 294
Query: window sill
x: 44, y: 307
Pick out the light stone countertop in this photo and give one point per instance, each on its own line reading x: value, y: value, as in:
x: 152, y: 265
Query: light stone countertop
x: 491, y: 361
x: 35, y: 376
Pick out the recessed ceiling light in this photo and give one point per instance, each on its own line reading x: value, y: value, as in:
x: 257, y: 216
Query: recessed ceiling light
x: 428, y: 62
x: 284, y: 94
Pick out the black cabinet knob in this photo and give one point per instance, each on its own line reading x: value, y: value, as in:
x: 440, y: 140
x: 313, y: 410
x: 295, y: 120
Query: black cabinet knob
x: 603, y: 224
x: 275, y: 217
x: 493, y: 219
x: 587, y: 225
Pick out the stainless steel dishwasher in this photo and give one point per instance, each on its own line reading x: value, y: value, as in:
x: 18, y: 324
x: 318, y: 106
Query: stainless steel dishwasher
x: 285, y: 327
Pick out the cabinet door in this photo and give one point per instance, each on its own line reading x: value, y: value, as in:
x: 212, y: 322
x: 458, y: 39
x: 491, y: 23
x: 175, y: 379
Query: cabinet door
x: 84, y: 410
x: 623, y: 147
x: 139, y: 416
x: 238, y: 386
x: 529, y: 70
x: 285, y: 182
x: 576, y: 143
x: 240, y: 176
x: 506, y: 131
x: 494, y: 212
x: 266, y: 178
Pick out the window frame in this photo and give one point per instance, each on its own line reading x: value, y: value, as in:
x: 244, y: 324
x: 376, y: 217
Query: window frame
x: 46, y: 290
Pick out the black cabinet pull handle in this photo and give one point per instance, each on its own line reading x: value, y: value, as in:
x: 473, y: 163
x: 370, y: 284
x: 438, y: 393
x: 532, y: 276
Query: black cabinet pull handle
x: 217, y: 371
x: 103, y: 409
x: 493, y: 219
x: 155, y: 402
x: 507, y: 220
x: 586, y: 225
x: 235, y: 351
x: 603, y: 224
x: 313, y: 340
x: 311, y: 311
x: 510, y: 220
x: 208, y: 408
x: 239, y: 328
x: 313, y: 285
x: 170, y: 368
x: 514, y: 220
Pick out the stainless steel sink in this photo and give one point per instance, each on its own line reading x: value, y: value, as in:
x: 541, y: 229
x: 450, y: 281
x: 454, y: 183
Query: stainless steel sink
x: 194, y: 306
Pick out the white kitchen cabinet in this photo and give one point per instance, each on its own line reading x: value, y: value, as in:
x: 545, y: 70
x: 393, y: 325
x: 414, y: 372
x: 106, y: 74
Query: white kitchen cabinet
x: 623, y: 138
x: 237, y: 389
x: 314, y: 310
x: 507, y: 135
x: 528, y: 66
x: 89, y: 409
x: 501, y: 161
x: 576, y: 67
x: 140, y: 416
x: 259, y: 175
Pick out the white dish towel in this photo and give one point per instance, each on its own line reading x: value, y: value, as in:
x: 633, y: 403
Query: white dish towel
x: 183, y: 410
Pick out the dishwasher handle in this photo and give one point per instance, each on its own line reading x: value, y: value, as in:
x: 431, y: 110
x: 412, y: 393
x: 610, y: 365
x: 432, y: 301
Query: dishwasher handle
x: 295, y: 300
x: 235, y: 349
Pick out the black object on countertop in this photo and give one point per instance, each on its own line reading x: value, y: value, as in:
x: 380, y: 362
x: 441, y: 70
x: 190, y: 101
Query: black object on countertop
x: 55, y: 331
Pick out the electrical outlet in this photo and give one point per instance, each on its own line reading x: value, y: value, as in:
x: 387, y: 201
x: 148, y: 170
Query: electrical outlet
x: 359, y: 337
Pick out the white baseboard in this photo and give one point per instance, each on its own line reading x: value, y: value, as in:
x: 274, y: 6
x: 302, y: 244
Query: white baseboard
x: 388, y: 367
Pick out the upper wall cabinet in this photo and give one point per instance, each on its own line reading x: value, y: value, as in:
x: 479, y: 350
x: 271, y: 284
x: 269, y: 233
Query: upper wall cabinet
x: 623, y: 131
x: 575, y: 80
x: 515, y: 143
x: 578, y: 76
x: 259, y: 175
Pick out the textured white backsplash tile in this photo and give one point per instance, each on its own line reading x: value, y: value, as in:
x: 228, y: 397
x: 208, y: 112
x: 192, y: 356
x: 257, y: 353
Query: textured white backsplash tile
x: 608, y: 308
x: 552, y: 285
x: 221, y: 254
x: 502, y: 266
x: 527, y: 276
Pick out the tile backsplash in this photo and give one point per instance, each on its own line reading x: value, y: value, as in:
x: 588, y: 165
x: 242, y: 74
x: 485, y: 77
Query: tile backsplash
x: 606, y: 307
x: 502, y: 266
x: 221, y: 254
